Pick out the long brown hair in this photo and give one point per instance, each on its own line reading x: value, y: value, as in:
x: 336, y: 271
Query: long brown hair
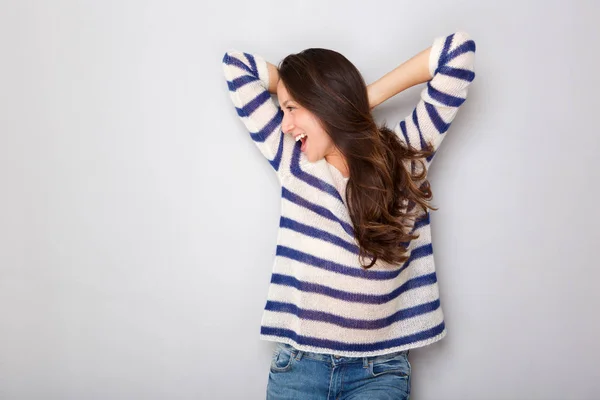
x: 387, y: 176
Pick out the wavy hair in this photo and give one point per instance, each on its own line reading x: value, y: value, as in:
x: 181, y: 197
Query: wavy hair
x: 387, y: 190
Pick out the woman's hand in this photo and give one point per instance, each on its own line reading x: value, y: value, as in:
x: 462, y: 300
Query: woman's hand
x: 273, y: 77
x: 371, y: 95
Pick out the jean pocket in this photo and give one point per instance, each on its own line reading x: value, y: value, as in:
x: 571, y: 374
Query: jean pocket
x: 282, y: 359
x: 396, y: 364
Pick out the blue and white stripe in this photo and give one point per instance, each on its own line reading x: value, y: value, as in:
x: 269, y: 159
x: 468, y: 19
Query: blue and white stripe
x: 319, y: 298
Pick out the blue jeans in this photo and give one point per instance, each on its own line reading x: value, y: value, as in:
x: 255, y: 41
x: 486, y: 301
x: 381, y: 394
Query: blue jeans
x: 302, y: 375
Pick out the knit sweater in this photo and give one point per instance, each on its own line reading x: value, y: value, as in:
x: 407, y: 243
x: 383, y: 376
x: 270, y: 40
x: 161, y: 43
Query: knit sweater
x: 320, y: 299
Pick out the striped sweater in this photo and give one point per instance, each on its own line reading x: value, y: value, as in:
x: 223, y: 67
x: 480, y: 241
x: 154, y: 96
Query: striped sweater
x: 319, y: 298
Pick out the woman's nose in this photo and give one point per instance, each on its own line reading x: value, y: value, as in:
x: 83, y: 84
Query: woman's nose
x: 287, y: 128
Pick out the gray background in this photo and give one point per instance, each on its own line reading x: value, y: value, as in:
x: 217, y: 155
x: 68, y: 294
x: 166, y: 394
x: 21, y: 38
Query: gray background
x: 138, y: 221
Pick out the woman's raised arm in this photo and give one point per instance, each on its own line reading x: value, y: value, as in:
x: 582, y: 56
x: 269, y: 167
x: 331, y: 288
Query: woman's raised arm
x: 251, y: 80
x: 404, y: 76
x: 449, y: 62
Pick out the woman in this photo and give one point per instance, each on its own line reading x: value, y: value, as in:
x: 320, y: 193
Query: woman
x: 353, y: 287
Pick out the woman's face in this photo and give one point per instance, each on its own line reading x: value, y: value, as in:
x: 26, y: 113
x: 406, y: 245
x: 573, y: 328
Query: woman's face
x: 298, y: 120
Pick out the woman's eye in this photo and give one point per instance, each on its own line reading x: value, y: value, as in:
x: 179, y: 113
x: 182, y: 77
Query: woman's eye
x: 290, y: 108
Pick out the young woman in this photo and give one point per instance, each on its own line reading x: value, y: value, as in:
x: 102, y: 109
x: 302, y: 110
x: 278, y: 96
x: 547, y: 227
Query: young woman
x: 353, y: 286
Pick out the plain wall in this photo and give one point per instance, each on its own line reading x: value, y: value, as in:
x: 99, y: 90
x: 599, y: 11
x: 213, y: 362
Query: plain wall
x: 138, y: 220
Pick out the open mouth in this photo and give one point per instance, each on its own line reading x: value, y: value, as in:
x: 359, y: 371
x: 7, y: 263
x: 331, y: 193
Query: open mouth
x: 302, y: 138
x: 303, y: 147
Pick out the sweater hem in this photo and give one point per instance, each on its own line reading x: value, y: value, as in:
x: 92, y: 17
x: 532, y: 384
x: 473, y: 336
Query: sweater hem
x: 321, y: 350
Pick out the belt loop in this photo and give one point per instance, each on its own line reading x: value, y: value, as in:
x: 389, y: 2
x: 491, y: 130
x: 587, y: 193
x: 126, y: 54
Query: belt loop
x: 365, y: 362
x: 299, y: 355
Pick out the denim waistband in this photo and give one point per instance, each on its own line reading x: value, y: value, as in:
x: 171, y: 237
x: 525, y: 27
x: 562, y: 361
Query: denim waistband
x: 337, y: 359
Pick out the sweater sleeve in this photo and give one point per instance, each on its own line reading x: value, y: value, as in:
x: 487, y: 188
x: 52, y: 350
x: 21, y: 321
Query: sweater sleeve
x: 247, y: 77
x: 451, y: 65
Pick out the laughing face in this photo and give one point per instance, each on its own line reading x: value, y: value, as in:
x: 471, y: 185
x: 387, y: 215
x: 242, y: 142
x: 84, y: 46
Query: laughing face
x: 304, y: 126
